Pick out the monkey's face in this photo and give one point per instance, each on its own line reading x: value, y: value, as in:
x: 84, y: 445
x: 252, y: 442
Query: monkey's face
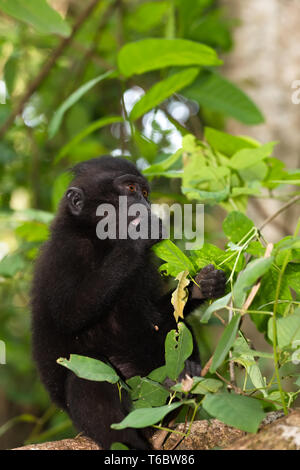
x: 117, y: 198
x: 133, y: 195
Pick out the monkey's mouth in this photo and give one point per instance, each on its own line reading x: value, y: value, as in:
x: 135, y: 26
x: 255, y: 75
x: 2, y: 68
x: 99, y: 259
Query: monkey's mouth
x: 136, y: 221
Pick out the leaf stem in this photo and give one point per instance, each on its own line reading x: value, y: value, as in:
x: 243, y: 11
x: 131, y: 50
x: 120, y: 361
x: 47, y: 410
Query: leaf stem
x: 244, y: 312
x: 162, y: 428
x: 277, y: 293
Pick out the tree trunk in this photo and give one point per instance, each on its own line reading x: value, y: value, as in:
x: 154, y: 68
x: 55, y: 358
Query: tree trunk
x: 265, y: 62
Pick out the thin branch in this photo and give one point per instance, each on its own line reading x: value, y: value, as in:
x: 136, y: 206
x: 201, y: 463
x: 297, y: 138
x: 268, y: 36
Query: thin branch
x: 38, y: 80
x: 231, y: 385
x: 206, y: 367
x: 231, y: 363
x: 255, y: 288
x: 279, y: 211
x: 261, y: 208
x: 220, y: 318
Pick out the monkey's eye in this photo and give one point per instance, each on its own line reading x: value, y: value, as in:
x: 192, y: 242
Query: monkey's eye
x: 131, y: 187
x: 145, y: 193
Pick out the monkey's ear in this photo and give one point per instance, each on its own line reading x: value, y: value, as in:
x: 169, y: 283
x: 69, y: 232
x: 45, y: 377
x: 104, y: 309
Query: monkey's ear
x: 75, y: 198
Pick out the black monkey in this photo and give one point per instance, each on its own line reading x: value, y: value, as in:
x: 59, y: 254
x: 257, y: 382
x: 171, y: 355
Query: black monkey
x: 103, y: 299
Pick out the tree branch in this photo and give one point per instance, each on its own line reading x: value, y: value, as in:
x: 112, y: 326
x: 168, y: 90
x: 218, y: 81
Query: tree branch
x: 276, y: 432
x: 282, y: 208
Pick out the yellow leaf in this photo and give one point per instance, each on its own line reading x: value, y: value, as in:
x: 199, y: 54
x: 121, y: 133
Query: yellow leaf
x: 180, y: 295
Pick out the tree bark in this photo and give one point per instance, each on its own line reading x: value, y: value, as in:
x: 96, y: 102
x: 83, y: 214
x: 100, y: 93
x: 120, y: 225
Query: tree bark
x: 276, y: 433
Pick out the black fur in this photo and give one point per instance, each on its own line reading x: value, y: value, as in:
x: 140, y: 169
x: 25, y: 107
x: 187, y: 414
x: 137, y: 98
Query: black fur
x: 103, y: 299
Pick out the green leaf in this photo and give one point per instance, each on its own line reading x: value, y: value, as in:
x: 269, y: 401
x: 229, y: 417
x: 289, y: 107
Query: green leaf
x: 288, y: 247
x: 161, y: 167
x: 118, y: 446
x: 178, y: 348
x: 288, y: 243
x: 236, y: 226
x: 226, y: 143
x: 36, y: 13
x: 244, y: 355
x: 11, y: 70
x: 190, y: 11
x: 158, y: 375
x: 276, y: 171
x: 89, y: 368
x: 211, y: 254
x: 60, y: 185
x: 162, y: 90
x: 245, y: 191
x: 255, y: 173
x: 234, y: 410
x: 152, y: 54
x: 248, y: 277
x: 248, y: 157
x: 266, y: 294
x: 67, y: 149
x: 292, y: 275
x: 72, y: 99
x: 11, y: 264
x: 146, y: 146
x: 202, y: 180
x: 203, y: 386
x: 144, y: 417
x: 225, y: 343
x: 147, y: 16
x: 146, y: 392
x: 216, y: 305
x: 288, y: 329
x: 210, y: 197
x: 218, y: 94
x: 169, y: 252
x: 169, y: 174
x: 256, y: 249
x: 32, y: 231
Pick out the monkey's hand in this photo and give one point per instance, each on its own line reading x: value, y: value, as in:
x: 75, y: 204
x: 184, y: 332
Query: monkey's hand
x: 211, y: 283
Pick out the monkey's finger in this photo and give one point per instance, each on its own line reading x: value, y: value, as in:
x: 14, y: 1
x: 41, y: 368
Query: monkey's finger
x: 204, y: 272
x: 207, y: 269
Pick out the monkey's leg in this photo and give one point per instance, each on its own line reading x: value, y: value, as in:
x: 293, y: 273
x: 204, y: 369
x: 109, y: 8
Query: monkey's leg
x: 94, y: 406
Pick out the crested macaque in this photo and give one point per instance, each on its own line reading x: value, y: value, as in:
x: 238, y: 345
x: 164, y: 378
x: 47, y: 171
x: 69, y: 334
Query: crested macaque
x: 104, y: 298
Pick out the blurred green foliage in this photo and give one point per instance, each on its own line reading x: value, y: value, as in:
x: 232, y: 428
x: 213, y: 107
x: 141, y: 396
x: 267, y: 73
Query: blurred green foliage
x: 140, y: 79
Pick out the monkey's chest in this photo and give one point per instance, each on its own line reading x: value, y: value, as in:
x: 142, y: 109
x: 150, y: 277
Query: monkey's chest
x: 119, y: 329
x: 130, y: 340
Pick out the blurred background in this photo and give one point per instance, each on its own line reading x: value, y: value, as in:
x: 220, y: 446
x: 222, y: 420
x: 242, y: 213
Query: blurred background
x: 259, y: 43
